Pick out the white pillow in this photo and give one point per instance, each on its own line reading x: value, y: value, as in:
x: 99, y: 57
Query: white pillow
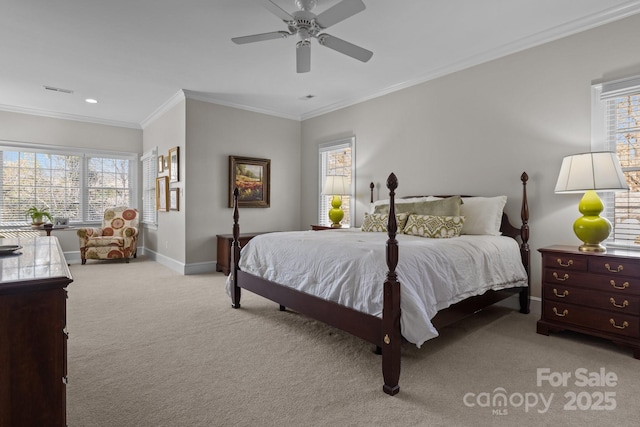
x: 482, y: 215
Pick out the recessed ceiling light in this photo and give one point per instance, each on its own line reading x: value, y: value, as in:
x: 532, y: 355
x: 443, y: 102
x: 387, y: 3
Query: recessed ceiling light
x: 91, y: 101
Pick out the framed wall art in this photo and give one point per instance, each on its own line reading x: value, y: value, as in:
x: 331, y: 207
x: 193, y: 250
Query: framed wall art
x: 174, y: 164
x: 160, y: 163
x: 252, y: 177
x: 162, y: 193
x: 174, y: 199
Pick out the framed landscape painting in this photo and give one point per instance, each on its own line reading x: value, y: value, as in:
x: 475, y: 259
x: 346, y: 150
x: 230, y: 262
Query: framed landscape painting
x: 252, y: 178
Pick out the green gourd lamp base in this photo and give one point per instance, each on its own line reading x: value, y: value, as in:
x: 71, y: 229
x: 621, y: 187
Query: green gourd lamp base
x: 336, y: 214
x: 591, y: 228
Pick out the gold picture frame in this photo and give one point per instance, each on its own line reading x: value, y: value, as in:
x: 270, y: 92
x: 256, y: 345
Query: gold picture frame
x: 252, y: 177
x: 160, y: 163
x: 162, y: 193
x: 174, y: 164
x: 174, y: 199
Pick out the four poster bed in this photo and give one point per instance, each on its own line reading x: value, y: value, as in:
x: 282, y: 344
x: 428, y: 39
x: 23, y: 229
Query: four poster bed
x: 342, y: 282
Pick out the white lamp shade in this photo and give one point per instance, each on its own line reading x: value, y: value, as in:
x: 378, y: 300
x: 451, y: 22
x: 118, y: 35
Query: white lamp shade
x: 335, y: 185
x: 598, y: 171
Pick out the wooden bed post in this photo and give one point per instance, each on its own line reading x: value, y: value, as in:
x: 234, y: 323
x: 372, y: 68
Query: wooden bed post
x: 391, y: 334
x: 235, y: 253
x: 525, y: 253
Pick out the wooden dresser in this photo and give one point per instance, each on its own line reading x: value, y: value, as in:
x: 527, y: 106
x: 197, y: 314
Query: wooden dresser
x: 223, y: 262
x: 33, y: 338
x: 592, y: 293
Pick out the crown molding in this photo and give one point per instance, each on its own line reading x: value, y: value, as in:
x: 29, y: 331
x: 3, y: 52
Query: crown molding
x: 166, y: 106
x: 64, y: 116
x: 579, y: 25
x: 211, y: 99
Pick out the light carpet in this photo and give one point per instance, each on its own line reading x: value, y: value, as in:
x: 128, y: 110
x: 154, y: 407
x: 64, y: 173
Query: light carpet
x: 150, y: 347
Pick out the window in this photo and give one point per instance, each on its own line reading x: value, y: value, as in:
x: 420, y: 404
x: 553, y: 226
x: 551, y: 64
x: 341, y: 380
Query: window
x: 72, y: 183
x: 617, y: 128
x: 149, y: 173
x: 337, y: 158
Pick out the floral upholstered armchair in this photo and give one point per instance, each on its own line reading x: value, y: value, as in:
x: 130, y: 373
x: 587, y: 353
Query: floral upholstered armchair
x: 118, y: 237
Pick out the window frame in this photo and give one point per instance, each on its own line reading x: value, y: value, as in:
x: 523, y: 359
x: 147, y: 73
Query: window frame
x: 602, y: 139
x: 323, y: 204
x: 149, y: 166
x: 85, y: 154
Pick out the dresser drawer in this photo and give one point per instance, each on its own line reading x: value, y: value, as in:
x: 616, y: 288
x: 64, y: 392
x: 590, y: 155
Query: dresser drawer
x: 611, y: 323
x: 613, y: 266
x: 602, y: 282
x: 612, y: 301
x: 566, y: 261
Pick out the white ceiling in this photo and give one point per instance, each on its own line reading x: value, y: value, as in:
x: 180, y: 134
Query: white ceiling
x: 136, y: 55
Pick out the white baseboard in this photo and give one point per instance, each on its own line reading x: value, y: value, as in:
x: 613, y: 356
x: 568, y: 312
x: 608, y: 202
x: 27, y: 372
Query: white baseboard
x: 180, y: 267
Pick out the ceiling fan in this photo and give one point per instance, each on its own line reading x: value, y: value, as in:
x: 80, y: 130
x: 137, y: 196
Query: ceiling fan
x: 308, y: 25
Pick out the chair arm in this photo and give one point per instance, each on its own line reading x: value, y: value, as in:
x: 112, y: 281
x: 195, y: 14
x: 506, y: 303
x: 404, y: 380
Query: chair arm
x: 130, y: 232
x: 87, y: 232
x: 130, y: 235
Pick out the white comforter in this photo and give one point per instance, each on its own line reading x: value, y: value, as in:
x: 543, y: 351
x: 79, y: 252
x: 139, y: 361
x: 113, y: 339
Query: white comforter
x: 349, y: 267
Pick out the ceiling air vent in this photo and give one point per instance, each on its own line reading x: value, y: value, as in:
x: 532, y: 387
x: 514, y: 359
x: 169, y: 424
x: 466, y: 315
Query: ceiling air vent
x: 57, y: 89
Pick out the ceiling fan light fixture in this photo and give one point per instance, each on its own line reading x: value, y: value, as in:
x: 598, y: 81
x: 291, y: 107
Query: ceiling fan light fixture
x: 308, y: 25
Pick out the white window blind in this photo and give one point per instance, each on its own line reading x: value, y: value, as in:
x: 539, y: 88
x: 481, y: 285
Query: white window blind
x: 337, y: 158
x: 619, y: 111
x: 149, y: 172
x: 70, y: 182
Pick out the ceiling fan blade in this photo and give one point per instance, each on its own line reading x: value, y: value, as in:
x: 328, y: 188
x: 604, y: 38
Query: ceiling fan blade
x: 339, y: 12
x: 345, y: 47
x: 277, y: 10
x: 261, y: 37
x: 303, y: 56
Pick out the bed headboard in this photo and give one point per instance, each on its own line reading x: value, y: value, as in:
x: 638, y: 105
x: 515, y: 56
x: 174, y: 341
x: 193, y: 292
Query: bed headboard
x: 506, y: 227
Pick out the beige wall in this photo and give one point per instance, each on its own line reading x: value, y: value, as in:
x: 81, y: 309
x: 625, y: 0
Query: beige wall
x: 215, y: 132
x: 167, y: 242
x: 477, y: 130
x: 69, y: 133
x: 207, y: 135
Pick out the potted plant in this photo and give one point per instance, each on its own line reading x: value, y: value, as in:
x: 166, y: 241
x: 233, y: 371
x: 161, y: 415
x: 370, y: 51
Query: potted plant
x: 37, y: 215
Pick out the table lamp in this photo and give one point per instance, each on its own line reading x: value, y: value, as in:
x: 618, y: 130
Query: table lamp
x: 588, y: 173
x: 336, y: 186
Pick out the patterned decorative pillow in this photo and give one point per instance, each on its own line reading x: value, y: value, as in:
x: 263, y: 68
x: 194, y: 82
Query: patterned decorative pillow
x: 436, y: 227
x: 378, y: 222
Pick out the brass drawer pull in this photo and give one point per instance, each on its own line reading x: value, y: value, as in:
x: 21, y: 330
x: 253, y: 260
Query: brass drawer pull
x: 568, y: 264
x: 624, y: 304
x: 625, y: 324
x: 565, y: 277
x: 617, y: 270
x: 563, y: 294
x: 564, y: 312
x: 623, y: 286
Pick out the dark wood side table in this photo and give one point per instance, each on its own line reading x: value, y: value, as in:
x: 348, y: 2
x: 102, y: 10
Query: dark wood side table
x: 225, y: 241
x: 316, y: 227
x: 592, y: 293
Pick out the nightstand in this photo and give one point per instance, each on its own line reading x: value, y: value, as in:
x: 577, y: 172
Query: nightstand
x: 316, y: 227
x: 593, y: 293
x: 224, y: 249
